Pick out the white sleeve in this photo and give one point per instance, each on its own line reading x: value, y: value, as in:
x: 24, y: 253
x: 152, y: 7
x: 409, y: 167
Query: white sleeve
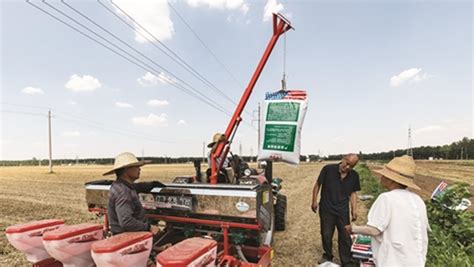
x: 379, y: 213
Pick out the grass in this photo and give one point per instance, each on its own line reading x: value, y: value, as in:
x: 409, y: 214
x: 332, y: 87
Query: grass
x: 369, y: 183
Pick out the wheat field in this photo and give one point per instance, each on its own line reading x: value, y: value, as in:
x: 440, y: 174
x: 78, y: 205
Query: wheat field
x: 30, y: 193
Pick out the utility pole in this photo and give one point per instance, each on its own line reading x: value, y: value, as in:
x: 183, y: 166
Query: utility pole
x: 258, y: 124
x: 50, y: 144
x: 251, y: 154
x: 240, y: 149
x: 203, y: 152
x: 461, y: 152
x: 77, y: 159
x: 409, y: 147
x: 143, y: 154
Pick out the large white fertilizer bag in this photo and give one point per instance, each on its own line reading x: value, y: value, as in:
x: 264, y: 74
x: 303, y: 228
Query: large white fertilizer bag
x: 281, y: 121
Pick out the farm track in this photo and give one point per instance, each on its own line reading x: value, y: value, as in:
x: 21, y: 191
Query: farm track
x: 29, y: 193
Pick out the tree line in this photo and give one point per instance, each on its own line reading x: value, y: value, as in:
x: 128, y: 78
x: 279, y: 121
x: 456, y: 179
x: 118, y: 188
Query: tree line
x: 460, y: 150
x: 106, y: 161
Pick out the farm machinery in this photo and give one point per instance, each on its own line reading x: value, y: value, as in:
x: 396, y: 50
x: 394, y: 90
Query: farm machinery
x: 240, y: 214
x: 217, y: 222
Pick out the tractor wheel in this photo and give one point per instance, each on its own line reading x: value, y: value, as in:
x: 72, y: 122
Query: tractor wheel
x: 280, y: 212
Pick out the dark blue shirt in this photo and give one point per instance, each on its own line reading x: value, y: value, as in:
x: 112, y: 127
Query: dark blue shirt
x: 335, y: 192
x: 125, y: 210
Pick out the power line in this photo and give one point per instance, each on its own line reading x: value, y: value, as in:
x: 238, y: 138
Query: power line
x: 240, y: 86
x: 71, y: 117
x: 22, y: 113
x: 96, y: 125
x: 123, y: 42
x: 100, y: 124
x: 186, y: 66
x: 175, y: 57
x: 131, y: 58
x: 147, y: 68
x: 205, y: 46
x: 23, y: 105
x: 120, y: 131
x: 114, y: 45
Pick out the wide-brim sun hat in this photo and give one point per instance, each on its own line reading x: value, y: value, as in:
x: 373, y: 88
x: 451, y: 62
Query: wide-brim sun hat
x: 216, y: 138
x: 125, y: 160
x: 401, y: 170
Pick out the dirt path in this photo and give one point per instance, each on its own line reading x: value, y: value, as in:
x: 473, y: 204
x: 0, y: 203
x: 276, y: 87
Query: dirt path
x: 300, y: 244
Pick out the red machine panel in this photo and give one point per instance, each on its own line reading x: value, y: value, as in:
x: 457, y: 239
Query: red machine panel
x: 71, y: 230
x: 194, y: 251
x: 20, y: 228
x: 120, y: 241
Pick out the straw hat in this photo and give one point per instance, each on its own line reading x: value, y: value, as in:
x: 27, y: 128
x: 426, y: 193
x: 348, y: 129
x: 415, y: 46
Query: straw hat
x: 125, y: 160
x: 401, y: 170
x: 218, y: 137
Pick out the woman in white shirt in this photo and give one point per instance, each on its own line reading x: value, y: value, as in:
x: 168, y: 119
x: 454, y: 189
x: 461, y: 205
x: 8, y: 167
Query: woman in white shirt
x: 397, y: 220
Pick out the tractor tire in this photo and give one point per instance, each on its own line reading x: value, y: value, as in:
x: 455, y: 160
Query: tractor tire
x: 280, y: 212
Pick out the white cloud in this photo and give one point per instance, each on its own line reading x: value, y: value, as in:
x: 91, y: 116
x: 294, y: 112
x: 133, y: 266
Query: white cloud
x: 29, y: 90
x: 154, y: 16
x: 150, y: 79
x: 182, y: 122
x: 409, y: 75
x: 71, y: 134
x: 123, y: 105
x: 157, y: 103
x: 430, y: 128
x: 271, y: 7
x: 244, y: 8
x: 77, y: 83
x: 152, y: 120
x: 221, y: 4
x: 72, y: 103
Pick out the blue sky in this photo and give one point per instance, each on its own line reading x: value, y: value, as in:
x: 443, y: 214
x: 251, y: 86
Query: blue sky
x: 371, y: 69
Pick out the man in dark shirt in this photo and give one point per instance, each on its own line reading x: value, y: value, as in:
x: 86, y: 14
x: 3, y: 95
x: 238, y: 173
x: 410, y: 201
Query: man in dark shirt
x: 339, y: 185
x: 124, y: 210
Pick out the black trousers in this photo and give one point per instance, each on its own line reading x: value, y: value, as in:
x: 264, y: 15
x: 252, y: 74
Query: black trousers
x: 329, y: 222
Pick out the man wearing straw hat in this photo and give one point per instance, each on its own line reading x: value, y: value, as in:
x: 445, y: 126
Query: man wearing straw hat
x: 124, y: 210
x: 216, y: 139
x: 397, y: 220
x: 225, y: 173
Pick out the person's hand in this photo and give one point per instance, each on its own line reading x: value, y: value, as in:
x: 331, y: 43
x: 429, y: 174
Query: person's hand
x: 348, y: 228
x: 354, y: 215
x: 314, y: 206
x: 154, y: 229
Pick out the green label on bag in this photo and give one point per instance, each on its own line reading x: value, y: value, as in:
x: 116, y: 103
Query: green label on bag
x: 279, y: 137
x: 283, y: 111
